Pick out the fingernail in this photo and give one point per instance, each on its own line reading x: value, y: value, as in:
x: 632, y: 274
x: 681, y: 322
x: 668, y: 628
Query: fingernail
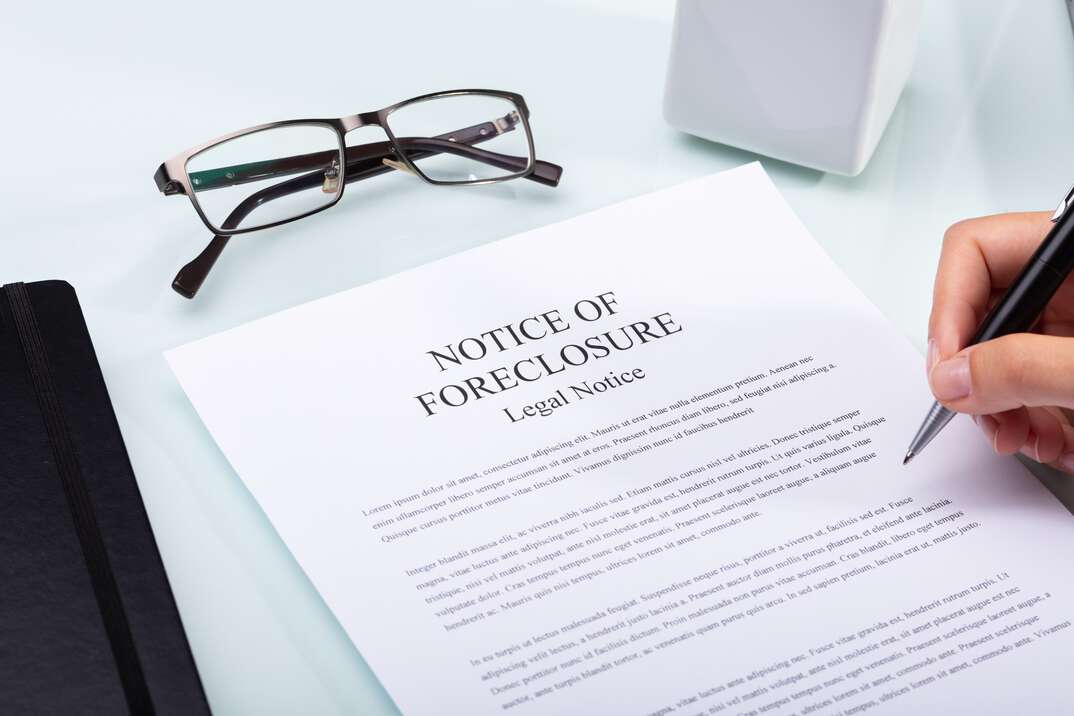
x: 1032, y: 447
x: 1066, y: 462
x: 932, y: 356
x: 988, y: 426
x: 951, y: 378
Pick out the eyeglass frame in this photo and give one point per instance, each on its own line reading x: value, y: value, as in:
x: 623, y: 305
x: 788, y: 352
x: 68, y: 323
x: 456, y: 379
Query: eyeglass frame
x: 172, y: 176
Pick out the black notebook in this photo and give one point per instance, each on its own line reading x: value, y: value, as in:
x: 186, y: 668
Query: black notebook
x: 88, y: 623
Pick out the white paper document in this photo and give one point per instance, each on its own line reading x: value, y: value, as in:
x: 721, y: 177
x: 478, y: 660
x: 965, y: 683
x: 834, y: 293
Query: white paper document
x: 644, y: 461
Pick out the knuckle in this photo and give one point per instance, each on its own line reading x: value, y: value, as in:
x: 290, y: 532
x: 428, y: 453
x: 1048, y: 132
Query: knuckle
x: 958, y: 232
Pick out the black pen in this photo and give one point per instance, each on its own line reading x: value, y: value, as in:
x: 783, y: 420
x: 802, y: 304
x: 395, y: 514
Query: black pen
x: 1020, y: 306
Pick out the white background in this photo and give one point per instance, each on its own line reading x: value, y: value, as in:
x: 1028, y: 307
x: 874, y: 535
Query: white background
x: 96, y: 96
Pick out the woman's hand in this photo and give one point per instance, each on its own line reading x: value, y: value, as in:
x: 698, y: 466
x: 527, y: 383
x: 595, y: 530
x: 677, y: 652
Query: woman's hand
x: 1018, y: 387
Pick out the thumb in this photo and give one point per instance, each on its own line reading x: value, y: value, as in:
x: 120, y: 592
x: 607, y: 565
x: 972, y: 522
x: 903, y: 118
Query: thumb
x: 1005, y: 373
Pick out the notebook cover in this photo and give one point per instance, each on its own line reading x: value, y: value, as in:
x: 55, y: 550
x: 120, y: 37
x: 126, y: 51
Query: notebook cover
x: 58, y: 644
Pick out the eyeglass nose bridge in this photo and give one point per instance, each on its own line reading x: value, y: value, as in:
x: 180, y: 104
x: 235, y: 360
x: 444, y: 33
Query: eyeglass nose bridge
x: 365, y: 119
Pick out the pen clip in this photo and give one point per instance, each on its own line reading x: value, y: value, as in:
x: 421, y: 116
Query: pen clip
x: 1064, y: 204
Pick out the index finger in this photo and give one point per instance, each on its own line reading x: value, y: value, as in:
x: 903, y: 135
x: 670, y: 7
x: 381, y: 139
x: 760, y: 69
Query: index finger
x: 978, y: 255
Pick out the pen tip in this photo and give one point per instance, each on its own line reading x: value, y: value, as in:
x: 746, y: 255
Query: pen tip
x: 909, y: 457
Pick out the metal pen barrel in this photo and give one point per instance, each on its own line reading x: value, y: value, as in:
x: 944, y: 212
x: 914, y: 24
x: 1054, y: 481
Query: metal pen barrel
x: 938, y: 416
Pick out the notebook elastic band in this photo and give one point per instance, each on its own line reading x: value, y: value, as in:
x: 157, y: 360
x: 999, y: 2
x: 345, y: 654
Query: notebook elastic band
x: 78, y: 502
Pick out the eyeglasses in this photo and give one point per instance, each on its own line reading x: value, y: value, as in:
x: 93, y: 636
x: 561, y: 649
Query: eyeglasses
x: 276, y: 173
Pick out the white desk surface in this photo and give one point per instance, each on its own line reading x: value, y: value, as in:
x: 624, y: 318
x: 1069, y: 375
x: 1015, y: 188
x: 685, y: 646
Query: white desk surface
x: 96, y: 96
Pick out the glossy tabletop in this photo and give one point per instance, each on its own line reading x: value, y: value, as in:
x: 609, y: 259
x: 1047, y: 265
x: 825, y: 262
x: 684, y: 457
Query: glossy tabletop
x: 96, y: 96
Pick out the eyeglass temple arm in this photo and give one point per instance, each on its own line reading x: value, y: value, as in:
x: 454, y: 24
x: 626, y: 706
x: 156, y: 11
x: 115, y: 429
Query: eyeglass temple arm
x: 220, y: 177
x: 189, y: 279
x: 363, y: 161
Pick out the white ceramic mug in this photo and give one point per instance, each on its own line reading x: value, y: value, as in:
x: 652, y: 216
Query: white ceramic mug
x: 812, y: 82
